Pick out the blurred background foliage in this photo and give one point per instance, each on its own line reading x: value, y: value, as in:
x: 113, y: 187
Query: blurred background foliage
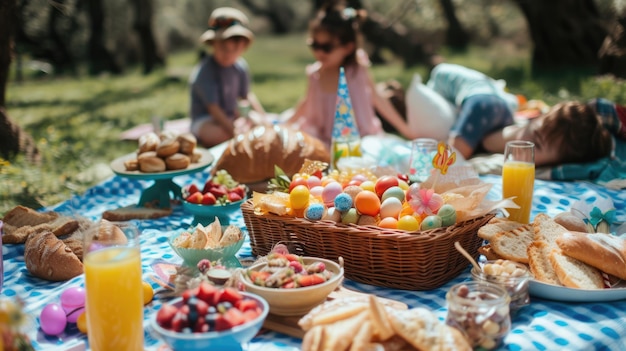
x: 75, y: 108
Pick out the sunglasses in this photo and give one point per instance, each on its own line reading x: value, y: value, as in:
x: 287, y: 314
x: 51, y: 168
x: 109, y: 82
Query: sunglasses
x: 325, y: 47
x: 223, y: 22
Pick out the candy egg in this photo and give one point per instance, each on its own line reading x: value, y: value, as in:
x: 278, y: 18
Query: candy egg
x: 367, y: 185
x: 299, y: 197
x: 352, y: 190
x: 314, y: 212
x: 409, y: 223
x: 313, y: 181
x: 389, y: 223
x: 81, y: 323
x: 343, y: 202
x: 316, y: 191
x: 394, y: 191
x: 52, y: 319
x: 367, y: 202
x: 431, y: 222
x: 332, y: 214
x: 351, y: 216
x: 330, y: 192
x: 447, y: 214
x: 367, y: 220
x: 73, y: 303
x: 390, y: 208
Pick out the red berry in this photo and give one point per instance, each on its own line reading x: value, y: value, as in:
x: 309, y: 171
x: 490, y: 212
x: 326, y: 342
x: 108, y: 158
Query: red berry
x: 165, y: 315
x: 192, y: 189
x: 195, y: 198
x: 208, y: 199
x: 234, y: 197
x: 239, y: 189
x: 218, y: 191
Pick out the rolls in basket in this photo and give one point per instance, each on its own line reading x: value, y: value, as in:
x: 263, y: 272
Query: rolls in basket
x: 383, y: 257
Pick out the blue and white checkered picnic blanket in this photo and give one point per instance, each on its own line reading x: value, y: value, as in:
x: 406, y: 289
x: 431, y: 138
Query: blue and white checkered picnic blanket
x: 543, y: 325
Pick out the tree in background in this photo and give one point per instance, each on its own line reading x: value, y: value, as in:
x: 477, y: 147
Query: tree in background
x: 143, y: 26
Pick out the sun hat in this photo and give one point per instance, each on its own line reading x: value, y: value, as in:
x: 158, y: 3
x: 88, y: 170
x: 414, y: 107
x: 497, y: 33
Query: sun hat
x: 224, y: 23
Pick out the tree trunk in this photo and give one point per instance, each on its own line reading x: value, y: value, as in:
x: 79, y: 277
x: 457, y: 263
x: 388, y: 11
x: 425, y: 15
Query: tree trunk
x: 566, y: 33
x: 61, y: 57
x: 456, y: 37
x: 613, y: 51
x: 143, y: 25
x: 7, y: 24
x: 100, y: 59
x: 279, y: 13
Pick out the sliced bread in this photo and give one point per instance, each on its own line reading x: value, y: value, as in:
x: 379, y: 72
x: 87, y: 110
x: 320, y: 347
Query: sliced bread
x: 574, y: 273
x: 539, y: 263
x: 513, y: 244
x: 497, y: 225
x: 546, y: 229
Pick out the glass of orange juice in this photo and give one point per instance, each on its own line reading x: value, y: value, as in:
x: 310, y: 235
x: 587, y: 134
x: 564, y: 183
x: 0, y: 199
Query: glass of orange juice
x: 113, y: 286
x: 518, y: 178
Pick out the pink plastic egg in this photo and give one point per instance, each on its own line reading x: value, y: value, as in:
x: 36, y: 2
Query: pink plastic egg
x: 330, y: 192
x: 313, y: 181
x: 316, y: 191
x: 73, y: 303
x: 52, y: 319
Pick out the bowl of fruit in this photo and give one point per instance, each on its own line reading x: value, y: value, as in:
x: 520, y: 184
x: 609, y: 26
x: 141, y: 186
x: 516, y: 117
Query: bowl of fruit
x: 221, y: 197
x: 210, y: 318
x: 292, y: 284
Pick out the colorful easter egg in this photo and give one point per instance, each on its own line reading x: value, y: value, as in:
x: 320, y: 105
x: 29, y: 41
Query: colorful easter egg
x: 299, y: 197
x: 431, y: 222
x: 314, y: 212
x: 53, y: 319
x: 447, y: 214
x: 343, y: 202
x: 409, y: 223
x: 389, y: 223
x: 394, y: 191
x: 351, y: 216
x: 352, y: 190
x: 330, y: 192
x: 332, y: 214
x: 367, y: 202
x: 390, y: 208
x: 73, y: 302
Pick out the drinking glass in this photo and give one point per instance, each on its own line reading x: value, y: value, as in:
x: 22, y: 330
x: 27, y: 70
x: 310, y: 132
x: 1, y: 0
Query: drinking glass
x: 421, y: 162
x: 113, y: 286
x: 518, y: 178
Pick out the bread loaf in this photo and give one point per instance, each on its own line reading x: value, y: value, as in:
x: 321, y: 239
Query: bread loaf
x: 47, y: 257
x: 22, y: 222
x: 497, y: 225
x: 513, y: 244
x: 539, y: 262
x: 604, y: 251
x: 570, y: 222
x: 574, y: 273
x: 250, y: 157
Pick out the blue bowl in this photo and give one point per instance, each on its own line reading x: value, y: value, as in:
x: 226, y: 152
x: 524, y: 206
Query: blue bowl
x: 226, y: 254
x: 231, y: 339
x: 205, y: 214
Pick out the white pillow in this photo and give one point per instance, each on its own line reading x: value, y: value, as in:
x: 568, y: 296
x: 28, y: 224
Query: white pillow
x: 428, y: 113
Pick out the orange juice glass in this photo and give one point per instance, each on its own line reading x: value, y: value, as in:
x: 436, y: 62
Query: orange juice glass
x: 113, y: 286
x: 518, y: 178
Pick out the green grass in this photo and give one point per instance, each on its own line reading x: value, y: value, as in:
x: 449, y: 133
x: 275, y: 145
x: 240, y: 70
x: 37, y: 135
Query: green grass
x: 76, y: 122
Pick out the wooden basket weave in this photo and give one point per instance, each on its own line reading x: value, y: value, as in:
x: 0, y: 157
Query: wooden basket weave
x: 383, y: 257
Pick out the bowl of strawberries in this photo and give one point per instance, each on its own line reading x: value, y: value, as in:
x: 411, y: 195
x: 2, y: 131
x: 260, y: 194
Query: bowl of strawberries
x: 210, y: 318
x: 220, y: 196
x: 292, y: 284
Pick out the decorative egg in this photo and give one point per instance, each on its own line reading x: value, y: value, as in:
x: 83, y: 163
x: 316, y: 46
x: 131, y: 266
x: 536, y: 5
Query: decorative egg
x: 390, y: 208
x: 409, y: 223
x: 352, y: 190
x: 316, y: 191
x: 299, y: 197
x: 394, y: 191
x: 431, y: 222
x: 330, y: 192
x: 447, y: 214
x: 367, y: 220
x: 81, y: 323
x: 313, y: 181
x: 73, y: 302
x: 368, y: 185
x: 343, y: 202
x: 52, y: 319
x: 351, y: 216
x: 389, y: 223
x: 332, y: 214
x: 367, y: 202
x: 314, y: 212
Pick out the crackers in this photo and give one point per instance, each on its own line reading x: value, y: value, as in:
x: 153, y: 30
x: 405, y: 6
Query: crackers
x: 209, y: 237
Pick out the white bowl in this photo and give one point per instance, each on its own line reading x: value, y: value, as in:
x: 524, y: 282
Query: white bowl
x: 296, y: 301
x: 213, y: 340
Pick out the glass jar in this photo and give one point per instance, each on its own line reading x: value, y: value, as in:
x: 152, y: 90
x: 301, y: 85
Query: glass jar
x: 512, y: 276
x: 480, y: 310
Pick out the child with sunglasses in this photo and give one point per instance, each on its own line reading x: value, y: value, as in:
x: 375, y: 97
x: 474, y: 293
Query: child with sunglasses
x: 222, y: 80
x: 334, y: 38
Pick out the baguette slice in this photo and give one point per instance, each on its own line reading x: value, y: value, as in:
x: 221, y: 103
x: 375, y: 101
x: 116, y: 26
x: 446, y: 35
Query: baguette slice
x: 497, y: 225
x: 605, y: 252
x: 574, y: 273
x: 513, y: 244
x: 539, y: 263
x: 545, y: 228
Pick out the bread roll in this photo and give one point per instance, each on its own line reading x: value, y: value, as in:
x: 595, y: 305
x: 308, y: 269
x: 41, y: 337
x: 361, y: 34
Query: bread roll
x: 148, y: 142
x: 570, y: 222
x: 187, y: 142
x: 167, y: 147
x: 250, y: 157
x: 605, y: 252
x: 177, y: 161
x: 151, y: 164
x: 47, y: 257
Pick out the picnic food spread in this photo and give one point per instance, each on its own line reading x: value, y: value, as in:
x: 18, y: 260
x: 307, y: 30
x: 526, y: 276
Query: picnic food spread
x: 383, y: 229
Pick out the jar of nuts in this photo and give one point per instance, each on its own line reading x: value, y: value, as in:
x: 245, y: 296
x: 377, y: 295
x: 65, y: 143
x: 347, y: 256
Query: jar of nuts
x: 481, y: 311
x: 512, y: 276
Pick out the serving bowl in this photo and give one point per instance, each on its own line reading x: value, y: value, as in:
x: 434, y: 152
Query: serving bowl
x: 226, y: 254
x: 295, y: 301
x: 231, y: 339
x: 205, y: 214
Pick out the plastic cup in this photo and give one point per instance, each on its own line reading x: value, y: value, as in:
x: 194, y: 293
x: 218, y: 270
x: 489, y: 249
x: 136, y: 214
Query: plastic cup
x: 421, y: 162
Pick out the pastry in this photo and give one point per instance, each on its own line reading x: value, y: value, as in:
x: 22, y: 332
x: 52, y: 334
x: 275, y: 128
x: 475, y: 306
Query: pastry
x: 148, y: 142
x: 150, y: 164
x: 187, y: 142
x: 167, y: 147
x: 47, y: 257
x: 131, y: 165
x: 177, y: 161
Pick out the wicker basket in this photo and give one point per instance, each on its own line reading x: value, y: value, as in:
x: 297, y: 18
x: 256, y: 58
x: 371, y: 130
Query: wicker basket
x: 372, y: 255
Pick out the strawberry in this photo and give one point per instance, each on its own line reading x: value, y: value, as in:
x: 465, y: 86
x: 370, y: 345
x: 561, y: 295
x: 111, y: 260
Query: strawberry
x: 239, y: 189
x: 234, y: 197
x: 218, y: 191
x: 165, y: 315
x: 192, y: 189
x: 208, y: 199
x: 195, y: 198
x: 207, y: 186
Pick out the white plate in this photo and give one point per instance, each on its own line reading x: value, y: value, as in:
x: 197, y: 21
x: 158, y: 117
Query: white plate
x: 564, y: 294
